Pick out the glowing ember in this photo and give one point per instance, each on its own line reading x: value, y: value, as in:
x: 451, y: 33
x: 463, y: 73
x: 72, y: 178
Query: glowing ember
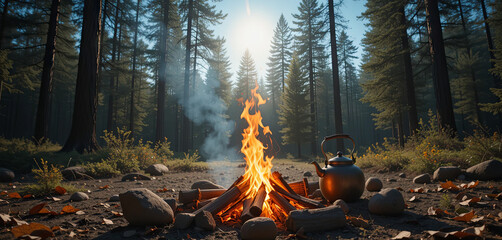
x: 258, y: 166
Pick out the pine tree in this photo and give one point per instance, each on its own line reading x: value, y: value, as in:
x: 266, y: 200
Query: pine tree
x: 220, y: 67
x: 346, y: 53
x: 293, y: 114
x: 246, y: 76
x: 310, y: 31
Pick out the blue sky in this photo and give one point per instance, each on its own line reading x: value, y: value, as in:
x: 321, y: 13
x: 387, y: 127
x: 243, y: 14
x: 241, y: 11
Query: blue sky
x: 250, y: 24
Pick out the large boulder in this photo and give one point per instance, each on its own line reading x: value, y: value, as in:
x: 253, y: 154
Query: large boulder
x: 487, y: 170
x: 389, y: 201
x: 205, y: 184
x: 374, y: 184
x: 423, y: 178
x: 135, y: 176
x: 446, y: 173
x: 157, y: 169
x: 74, y: 173
x: 259, y: 228
x: 6, y: 175
x: 142, y: 207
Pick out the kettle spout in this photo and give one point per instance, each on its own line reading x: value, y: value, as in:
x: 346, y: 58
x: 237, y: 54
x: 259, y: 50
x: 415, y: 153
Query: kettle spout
x: 320, y: 172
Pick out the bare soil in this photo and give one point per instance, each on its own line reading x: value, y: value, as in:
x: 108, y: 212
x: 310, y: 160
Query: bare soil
x: 90, y: 225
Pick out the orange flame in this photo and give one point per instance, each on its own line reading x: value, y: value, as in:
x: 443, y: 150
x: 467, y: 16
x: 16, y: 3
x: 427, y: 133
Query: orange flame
x: 258, y: 166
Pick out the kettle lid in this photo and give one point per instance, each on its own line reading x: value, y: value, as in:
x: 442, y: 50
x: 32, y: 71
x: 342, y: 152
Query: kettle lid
x: 340, y: 160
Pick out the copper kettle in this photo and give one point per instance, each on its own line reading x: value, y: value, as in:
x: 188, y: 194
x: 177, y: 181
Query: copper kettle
x: 340, y: 178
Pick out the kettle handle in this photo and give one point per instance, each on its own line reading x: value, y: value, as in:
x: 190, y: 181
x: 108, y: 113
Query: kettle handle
x: 335, y: 136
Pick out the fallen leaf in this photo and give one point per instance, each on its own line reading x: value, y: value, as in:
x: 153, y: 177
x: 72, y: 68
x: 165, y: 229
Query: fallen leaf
x: 416, y: 190
x: 14, y: 195
x: 478, y: 219
x: 403, y: 235
x: 117, y: 214
x: 56, y: 228
x: 4, y: 218
x: 17, y: 222
x: 413, y: 199
x: 437, y: 212
x: 72, y: 234
x: 3, y: 193
x: 450, y: 186
x: 470, y: 201
x: 494, y: 195
x: 460, y: 195
x: 36, y: 209
x: 464, y: 217
x: 106, y: 205
x: 28, y: 196
x: 472, y: 185
x: 358, y: 222
x: 60, y: 190
x: 104, y: 187
x: 80, y: 212
x: 83, y: 230
x: 33, y: 229
x: 107, y: 221
x: 69, y: 209
x: 162, y: 190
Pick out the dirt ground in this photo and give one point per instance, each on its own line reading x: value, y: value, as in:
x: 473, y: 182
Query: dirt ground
x: 90, y: 224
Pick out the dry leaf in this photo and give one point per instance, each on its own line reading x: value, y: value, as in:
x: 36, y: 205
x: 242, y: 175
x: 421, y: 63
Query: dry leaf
x: 56, y: 228
x: 37, y: 208
x: 72, y: 234
x: 450, y: 186
x: 437, y: 212
x: 494, y: 195
x: 117, y: 214
x: 14, y: 195
x: 33, y: 229
x: 69, y: 209
x: 4, y: 218
x: 403, y: 235
x: 413, y: 199
x: 417, y: 190
x: 83, y: 230
x: 104, y: 187
x: 28, y: 196
x: 162, y: 190
x: 358, y: 222
x: 470, y: 201
x: 80, y: 212
x: 472, y: 185
x: 60, y: 190
x: 464, y: 217
x: 478, y: 219
x: 106, y: 205
x: 107, y: 221
x: 17, y: 222
x: 3, y: 193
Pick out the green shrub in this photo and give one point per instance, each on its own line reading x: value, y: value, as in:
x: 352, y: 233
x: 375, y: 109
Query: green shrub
x: 101, y: 169
x: 188, y: 163
x: 481, y: 146
x: 47, y: 179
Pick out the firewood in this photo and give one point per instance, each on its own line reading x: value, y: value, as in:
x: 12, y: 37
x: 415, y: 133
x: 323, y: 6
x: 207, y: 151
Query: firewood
x: 205, y: 202
x: 312, y: 187
x: 306, y: 202
x: 246, y: 205
x: 277, y: 178
x: 300, y: 187
x: 313, y: 220
x: 281, y: 201
x: 227, y: 198
x: 256, y: 207
x: 197, y: 194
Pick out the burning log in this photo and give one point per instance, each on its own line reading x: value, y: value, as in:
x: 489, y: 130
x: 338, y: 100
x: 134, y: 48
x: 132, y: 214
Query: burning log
x: 253, y: 207
x: 197, y: 195
x: 227, y: 198
x: 301, y: 187
x: 312, y: 187
x: 313, y: 220
x: 281, y: 201
x: 307, y: 202
x: 277, y: 178
x: 246, y: 215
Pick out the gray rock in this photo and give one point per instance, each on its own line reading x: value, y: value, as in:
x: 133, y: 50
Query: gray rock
x: 183, y: 220
x: 446, y: 173
x: 374, y: 184
x: 172, y: 203
x: 6, y: 175
x: 423, y: 178
x: 205, y: 184
x: 79, y: 196
x: 157, y: 169
x: 205, y: 220
x: 487, y: 170
x: 135, y: 176
x: 402, y: 175
x: 142, y: 207
x: 343, y: 205
x: 114, y: 198
x: 307, y: 174
x: 259, y: 228
x: 74, y: 173
x: 389, y: 201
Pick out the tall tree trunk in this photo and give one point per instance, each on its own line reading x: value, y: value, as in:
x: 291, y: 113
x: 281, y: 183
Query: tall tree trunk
x: 83, y: 130
x: 313, y: 140
x: 473, y: 75
x: 2, y: 29
x: 102, y: 39
x: 133, y: 78
x: 194, y: 74
x: 491, y: 47
x: 44, y: 100
x: 440, y: 77
x: 161, y: 92
x: 400, y: 132
x: 185, y: 134
x: 336, y: 77
x: 408, y: 73
x: 111, y: 97
x: 117, y: 73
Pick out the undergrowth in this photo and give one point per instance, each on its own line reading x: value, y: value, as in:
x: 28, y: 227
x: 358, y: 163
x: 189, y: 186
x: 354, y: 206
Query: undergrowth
x: 47, y: 177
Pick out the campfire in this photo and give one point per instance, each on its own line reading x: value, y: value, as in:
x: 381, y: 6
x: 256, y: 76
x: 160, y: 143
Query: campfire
x: 258, y: 192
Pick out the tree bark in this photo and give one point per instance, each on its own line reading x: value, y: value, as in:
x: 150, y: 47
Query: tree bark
x: 44, y: 99
x: 185, y: 135
x: 409, y: 83
x: 83, y: 130
x: 161, y: 94
x: 496, y: 79
x: 313, y: 141
x: 446, y: 118
x: 111, y: 96
x: 336, y: 77
x: 133, y: 78
x: 2, y: 29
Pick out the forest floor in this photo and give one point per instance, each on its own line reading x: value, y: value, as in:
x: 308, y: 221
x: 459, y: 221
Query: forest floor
x: 415, y: 219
